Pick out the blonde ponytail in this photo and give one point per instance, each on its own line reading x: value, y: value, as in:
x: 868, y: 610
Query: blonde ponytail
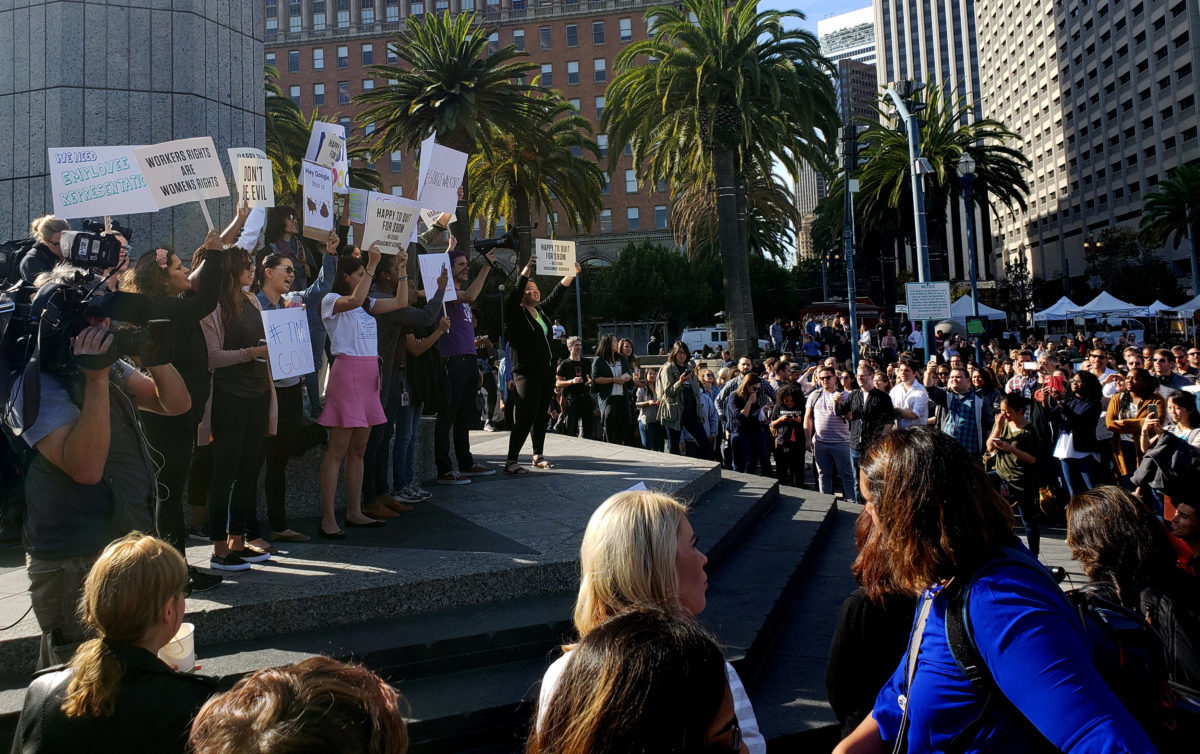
x: 95, y: 676
x: 44, y: 228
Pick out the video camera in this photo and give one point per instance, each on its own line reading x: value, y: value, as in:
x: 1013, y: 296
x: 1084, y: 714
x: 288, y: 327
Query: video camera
x: 94, y: 247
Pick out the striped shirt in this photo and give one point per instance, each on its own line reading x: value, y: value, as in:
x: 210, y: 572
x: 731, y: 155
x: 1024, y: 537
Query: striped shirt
x: 827, y: 425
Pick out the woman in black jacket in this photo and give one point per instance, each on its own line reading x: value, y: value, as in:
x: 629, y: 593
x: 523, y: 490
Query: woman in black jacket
x: 529, y: 336
x: 1074, y: 418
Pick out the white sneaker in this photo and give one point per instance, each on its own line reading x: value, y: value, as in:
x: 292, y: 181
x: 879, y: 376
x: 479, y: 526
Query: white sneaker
x: 422, y: 493
x: 406, y: 495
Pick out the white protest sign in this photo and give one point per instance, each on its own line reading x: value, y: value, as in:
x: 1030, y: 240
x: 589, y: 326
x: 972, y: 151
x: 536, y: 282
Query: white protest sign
x: 358, y: 205
x: 255, y: 182
x: 318, y: 200
x: 184, y: 170
x: 390, y: 221
x: 327, y: 146
x: 431, y: 269
x: 928, y: 300
x: 554, y: 257
x: 289, y: 348
x: 94, y: 181
x: 441, y: 174
x: 430, y: 217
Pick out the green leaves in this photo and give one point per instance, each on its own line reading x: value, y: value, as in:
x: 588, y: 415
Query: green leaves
x: 1168, y: 207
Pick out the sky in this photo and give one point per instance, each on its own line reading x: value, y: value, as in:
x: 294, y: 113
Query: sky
x: 815, y: 10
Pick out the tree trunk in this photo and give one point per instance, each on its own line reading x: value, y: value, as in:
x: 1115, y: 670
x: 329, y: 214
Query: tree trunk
x: 524, y: 225
x: 743, y: 243
x: 462, y: 226
x: 735, y: 266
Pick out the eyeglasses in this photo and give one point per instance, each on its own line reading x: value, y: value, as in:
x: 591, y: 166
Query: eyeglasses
x: 290, y: 270
x: 943, y: 374
x: 290, y: 218
x: 827, y: 377
x: 1193, y: 353
x: 1096, y: 355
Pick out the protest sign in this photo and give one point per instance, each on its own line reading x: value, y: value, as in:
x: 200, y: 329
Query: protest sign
x: 431, y: 269
x: 289, y: 348
x: 358, y: 205
x: 96, y: 181
x: 430, y: 217
x: 327, y: 146
x: 255, y: 182
x: 318, y: 200
x: 184, y: 170
x: 441, y: 174
x: 390, y: 221
x: 554, y: 257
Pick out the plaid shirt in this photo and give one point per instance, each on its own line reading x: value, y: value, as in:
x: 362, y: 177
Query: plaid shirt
x: 960, y: 421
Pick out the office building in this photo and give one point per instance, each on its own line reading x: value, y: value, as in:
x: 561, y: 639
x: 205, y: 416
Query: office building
x: 848, y: 36
x: 1104, y: 94
x: 322, y: 48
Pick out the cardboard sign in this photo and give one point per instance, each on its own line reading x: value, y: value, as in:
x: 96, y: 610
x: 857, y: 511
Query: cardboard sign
x: 327, y: 146
x: 390, y: 222
x: 289, y: 348
x: 317, y: 182
x: 430, y: 216
x: 554, y: 257
x: 358, y: 205
x: 431, y: 269
x: 441, y: 174
x: 255, y: 182
x: 96, y: 181
x: 181, y: 171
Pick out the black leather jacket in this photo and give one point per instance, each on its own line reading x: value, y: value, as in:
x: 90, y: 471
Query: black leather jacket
x: 155, y: 707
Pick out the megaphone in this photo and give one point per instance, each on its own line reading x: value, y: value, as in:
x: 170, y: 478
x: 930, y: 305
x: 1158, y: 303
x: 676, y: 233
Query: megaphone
x: 509, y: 240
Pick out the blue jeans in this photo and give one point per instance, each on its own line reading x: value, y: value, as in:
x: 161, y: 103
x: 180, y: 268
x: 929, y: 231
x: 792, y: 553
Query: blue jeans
x: 854, y: 465
x: 312, y: 380
x: 830, y: 455
x: 747, y: 454
x: 404, y: 451
x: 1086, y: 470
x: 653, y: 436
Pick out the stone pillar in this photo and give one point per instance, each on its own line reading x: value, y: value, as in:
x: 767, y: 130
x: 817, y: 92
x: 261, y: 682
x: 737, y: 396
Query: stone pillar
x: 98, y: 73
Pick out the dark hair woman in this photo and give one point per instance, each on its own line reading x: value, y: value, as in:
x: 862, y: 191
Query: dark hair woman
x: 529, y: 338
x: 1125, y: 551
x: 241, y: 415
x: 1127, y: 412
x: 678, y: 392
x: 940, y: 523
x: 117, y: 695
x: 746, y: 427
x: 281, y: 236
x: 611, y: 374
x: 1074, y: 417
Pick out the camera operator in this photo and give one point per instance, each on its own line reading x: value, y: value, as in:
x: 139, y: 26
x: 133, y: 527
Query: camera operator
x: 92, y: 479
x: 47, y: 231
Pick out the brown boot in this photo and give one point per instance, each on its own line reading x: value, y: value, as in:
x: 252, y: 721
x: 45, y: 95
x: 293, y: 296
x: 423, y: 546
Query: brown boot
x: 387, y: 501
x: 375, y: 510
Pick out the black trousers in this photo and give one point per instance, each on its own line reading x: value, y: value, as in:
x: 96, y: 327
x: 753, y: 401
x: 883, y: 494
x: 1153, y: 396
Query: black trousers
x: 377, y: 459
x: 579, y: 412
x: 789, y: 463
x: 174, y: 437
x: 278, y: 449
x: 238, y: 427
x: 615, y: 418
x: 533, y: 391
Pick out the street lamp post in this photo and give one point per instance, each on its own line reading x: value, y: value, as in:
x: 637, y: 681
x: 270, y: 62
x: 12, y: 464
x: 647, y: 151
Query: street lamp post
x: 500, y: 293
x: 966, y: 174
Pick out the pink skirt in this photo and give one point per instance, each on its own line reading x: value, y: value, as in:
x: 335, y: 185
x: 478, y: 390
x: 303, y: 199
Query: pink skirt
x: 352, y: 393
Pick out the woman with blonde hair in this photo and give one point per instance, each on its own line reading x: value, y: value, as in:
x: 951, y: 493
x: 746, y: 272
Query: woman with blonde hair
x: 117, y: 695
x: 47, y: 231
x: 639, y: 549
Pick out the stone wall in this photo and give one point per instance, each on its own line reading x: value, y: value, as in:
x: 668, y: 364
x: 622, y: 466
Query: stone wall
x: 100, y: 73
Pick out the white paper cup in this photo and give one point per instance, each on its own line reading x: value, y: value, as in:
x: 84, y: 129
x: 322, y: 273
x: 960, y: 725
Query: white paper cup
x: 181, y: 650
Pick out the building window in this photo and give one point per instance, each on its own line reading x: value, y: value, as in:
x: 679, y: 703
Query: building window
x: 271, y: 59
x: 630, y: 182
x: 368, y: 54
x: 660, y: 217
x: 544, y: 37
x: 343, y: 92
x: 293, y: 61
x: 626, y: 26
x: 519, y: 39
x: 318, y: 95
x: 547, y: 74
x: 631, y: 218
x: 604, y: 184
x: 396, y: 163
x: 574, y: 102
x: 390, y: 56
x: 318, y: 15
x: 368, y: 13
x: 318, y: 58
x: 294, y: 93
x: 572, y: 71
x: 272, y: 25
x: 493, y: 42
x: 391, y: 13
x: 466, y: 6
x: 368, y: 84
x: 602, y: 143
x: 416, y: 9
x: 441, y: 6
x: 599, y: 106
x: 606, y: 221
x: 344, y: 122
x: 294, y: 19
x: 572, y: 35
x: 343, y: 56
x: 600, y: 70
x: 597, y: 32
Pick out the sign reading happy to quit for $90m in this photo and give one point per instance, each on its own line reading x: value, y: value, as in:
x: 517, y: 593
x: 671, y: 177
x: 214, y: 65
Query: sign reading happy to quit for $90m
x: 555, y: 257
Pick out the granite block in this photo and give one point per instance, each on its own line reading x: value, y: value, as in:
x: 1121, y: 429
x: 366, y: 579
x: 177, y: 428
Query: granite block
x: 140, y: 119
x: 95, y: 111
x: 6, y: 43
x: 187, y: 54
x: 161, y: 50
x: 118, y: 116
x: 38, y: 57
x: 161, y: 117
x: 20, y: 135
x: 22, y: 60
x: 7, y: 155
x: 37, y: 132
x: 95, y: 54
x: 23, y: 212
x: 64, y: 117
x: 121, y: 45
x: 141, y: 45
x: 64, y: 21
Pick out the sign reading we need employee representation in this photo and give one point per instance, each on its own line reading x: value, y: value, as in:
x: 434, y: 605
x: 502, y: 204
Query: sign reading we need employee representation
x: 184, y: 170
x: 97, y: 181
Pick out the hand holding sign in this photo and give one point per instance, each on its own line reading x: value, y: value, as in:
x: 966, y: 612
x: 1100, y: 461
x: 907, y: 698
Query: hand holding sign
x: 435, y: 274
x: 555, y: 257
x: 255, y: 182
x: 318, y: 201
x: 289, y: 348
x: 441, y: 175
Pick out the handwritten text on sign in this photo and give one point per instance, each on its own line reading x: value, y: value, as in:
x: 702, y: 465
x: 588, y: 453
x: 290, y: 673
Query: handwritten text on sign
x: 184, y: 170
x: 256, y: 186
x: 441, y: 175
x: 555, y: 257
x: 390, y: 221
x: 288, y: 346
x: 327, y: 146
x: 317, y: 181
x: 91, y: 181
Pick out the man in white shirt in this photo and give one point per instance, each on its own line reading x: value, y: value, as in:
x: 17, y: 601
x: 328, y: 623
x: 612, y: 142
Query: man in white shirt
x: 909, y: 398
x: 828, y: 435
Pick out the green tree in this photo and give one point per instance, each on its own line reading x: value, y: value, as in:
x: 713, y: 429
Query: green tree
x: 770, y: 213
x: 448, y: 81
x: 1015, y: 290
x: 1129, y: 268
x: 1171, y: 207
x: 522, y: 175
x: 703, y: 99
x: 949, y: 130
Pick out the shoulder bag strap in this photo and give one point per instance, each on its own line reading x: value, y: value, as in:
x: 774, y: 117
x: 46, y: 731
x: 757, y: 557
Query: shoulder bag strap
x: 914, y: 650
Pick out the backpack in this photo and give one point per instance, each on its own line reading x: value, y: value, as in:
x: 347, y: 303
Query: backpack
x: 11, y: 254
x: 1126, y: 651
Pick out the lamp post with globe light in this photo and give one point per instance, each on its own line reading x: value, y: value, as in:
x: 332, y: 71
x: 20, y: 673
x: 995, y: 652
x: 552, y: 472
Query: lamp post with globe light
x: 966, y: 174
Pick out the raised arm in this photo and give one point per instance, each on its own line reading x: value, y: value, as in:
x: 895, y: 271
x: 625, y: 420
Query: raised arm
x: 472, y: 292
x: 400, y: 300
x: 359, y: 295
x: 234, y: 229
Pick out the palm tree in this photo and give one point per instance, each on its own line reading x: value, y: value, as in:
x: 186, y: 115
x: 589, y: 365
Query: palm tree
x: 446, y: 80
x: 525, y: 174
x: 702, y: 98
x: 948, y: 131
x: 1172, y: 209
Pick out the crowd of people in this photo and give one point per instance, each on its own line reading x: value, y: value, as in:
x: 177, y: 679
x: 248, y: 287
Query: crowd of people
x: 940, y: 449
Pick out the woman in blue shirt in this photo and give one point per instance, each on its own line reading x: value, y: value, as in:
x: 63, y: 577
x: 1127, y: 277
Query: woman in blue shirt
x: 940, y: 520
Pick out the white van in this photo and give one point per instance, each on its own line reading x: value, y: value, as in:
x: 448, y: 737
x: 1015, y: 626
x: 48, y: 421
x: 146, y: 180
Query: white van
x: 713, y: 336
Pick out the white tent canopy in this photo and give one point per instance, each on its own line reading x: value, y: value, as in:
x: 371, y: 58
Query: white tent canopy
x: 1158, y: 308
x: 962, y: 308
x: 1189, y: 308
x: 1105, y: 305
x: 1057, y: 311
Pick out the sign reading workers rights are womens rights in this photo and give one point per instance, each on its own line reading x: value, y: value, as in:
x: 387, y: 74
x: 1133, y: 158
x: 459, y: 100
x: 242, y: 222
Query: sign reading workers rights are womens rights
x: 184, y: 170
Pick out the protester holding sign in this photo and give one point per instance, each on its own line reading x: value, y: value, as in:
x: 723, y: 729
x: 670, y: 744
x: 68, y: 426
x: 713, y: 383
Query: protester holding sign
x: 353, y: 405
x: 275, y: 278
x: 529, y: 336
